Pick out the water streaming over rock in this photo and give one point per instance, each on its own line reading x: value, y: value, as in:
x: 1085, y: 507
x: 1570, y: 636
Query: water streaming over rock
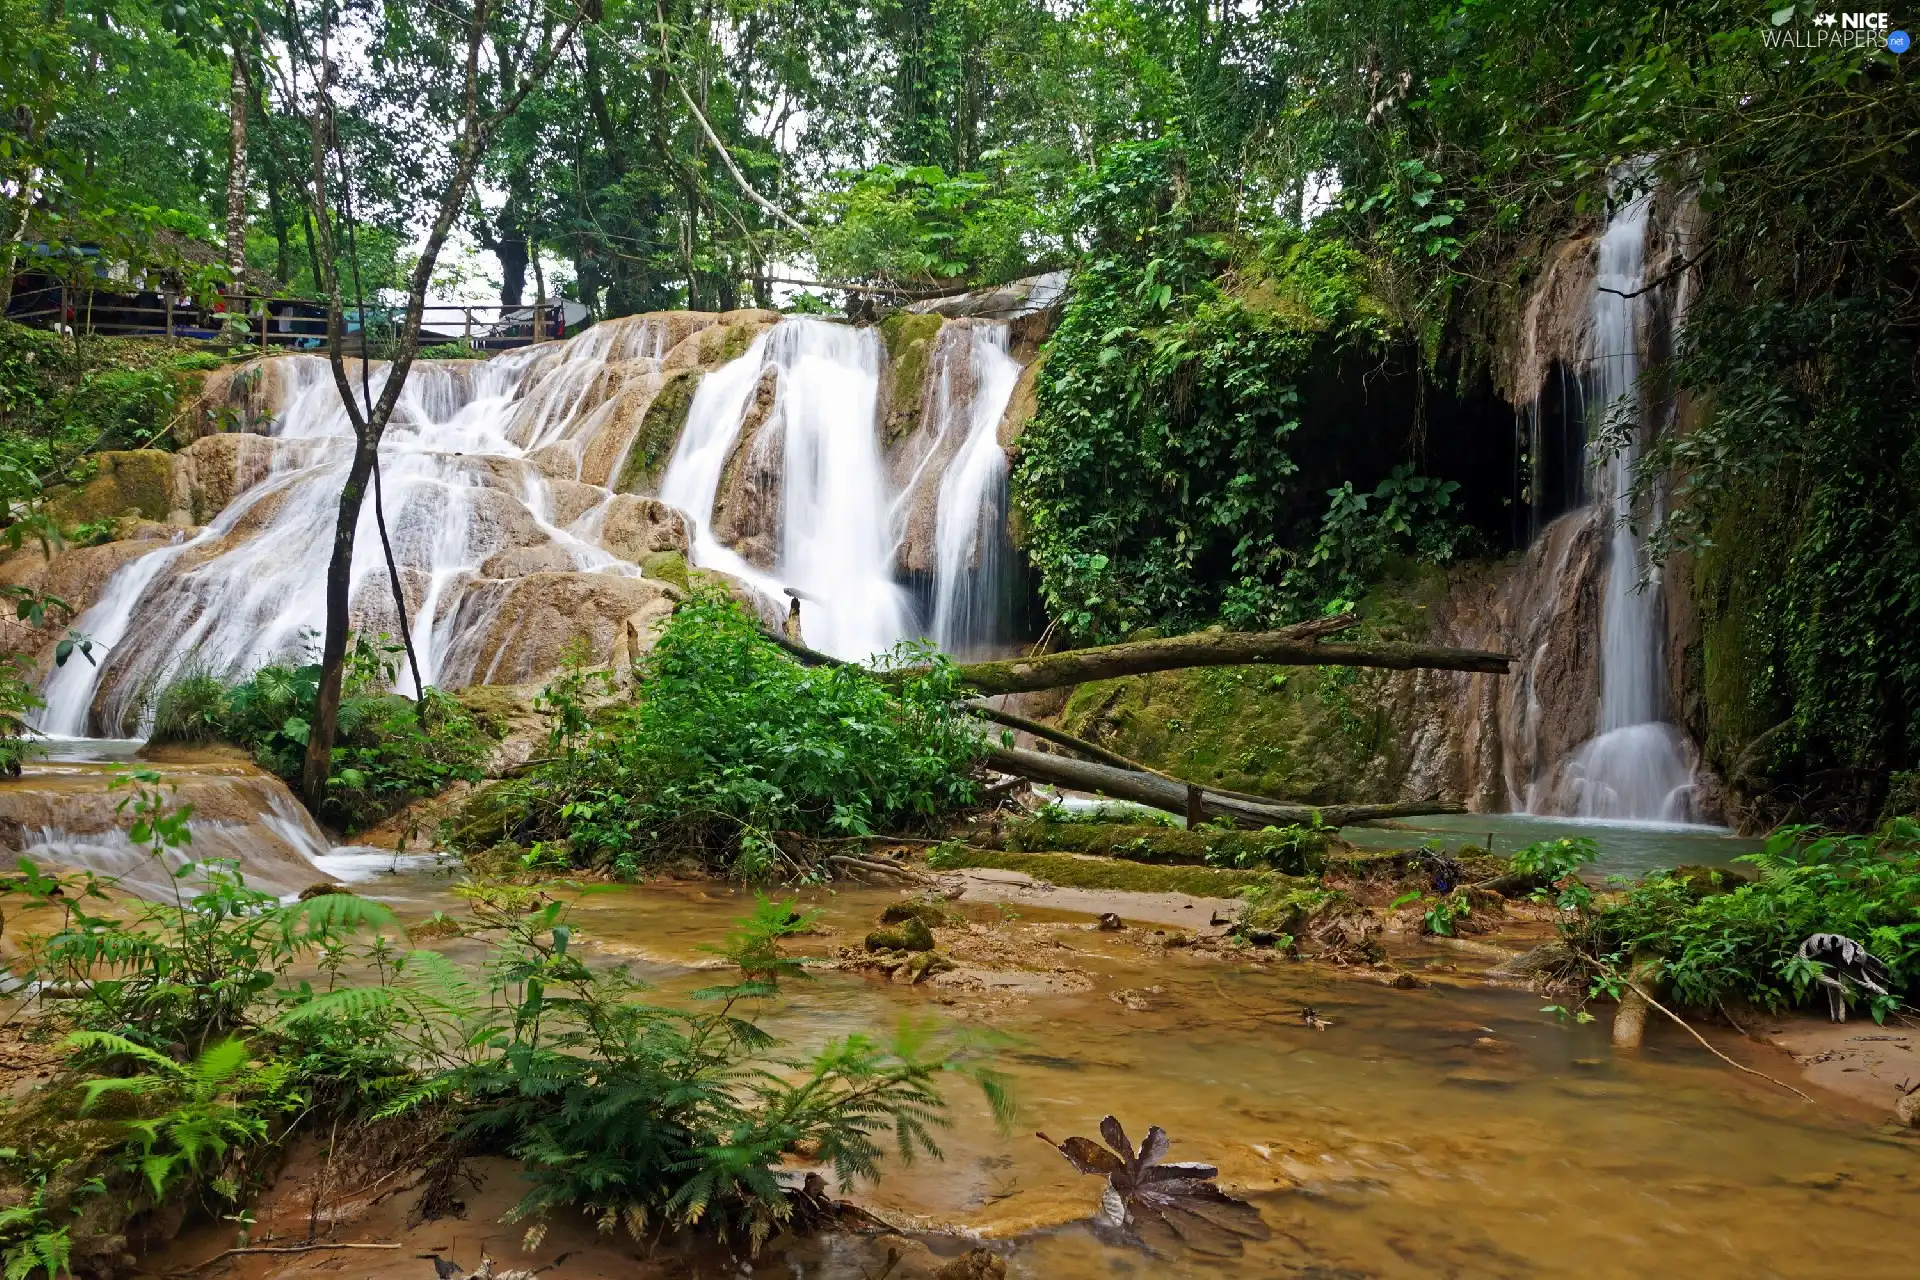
x: 508, y: 540
x: 973, y: 555
x: 465, y: 504
x: 1636, y: 766
x: 780, y: 470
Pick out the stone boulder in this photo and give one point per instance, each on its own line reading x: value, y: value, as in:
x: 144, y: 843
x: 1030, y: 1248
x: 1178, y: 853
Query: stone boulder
x: 637, y: 529
x: 518, y: 630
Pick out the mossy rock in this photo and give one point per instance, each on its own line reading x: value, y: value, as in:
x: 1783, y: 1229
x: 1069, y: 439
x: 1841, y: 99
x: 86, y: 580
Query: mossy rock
x: 1078, y: 871
x: 667, y: 566
x: 929, y: 914
x: 909, y: 337
x: 660, y: 430
x: 911, y: 935
x: 133, y: 482
x: 1293, y: 850
x: 1711, y: 882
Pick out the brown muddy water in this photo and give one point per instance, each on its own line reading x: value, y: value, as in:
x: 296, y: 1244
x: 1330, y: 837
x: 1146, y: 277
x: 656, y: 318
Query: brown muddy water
x: 1454, y: 1130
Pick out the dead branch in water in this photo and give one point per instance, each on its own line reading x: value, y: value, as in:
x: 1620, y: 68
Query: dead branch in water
x: 283, y: 1248
x: 1737, y: 1066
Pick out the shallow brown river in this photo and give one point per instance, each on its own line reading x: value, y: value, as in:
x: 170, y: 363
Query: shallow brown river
x: 1389, y: 1144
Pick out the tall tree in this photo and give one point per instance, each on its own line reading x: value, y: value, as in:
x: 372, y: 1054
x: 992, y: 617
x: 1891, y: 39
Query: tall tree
x: 509, y: 47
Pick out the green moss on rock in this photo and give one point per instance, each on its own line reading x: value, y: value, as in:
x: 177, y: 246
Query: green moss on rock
x: 909, y: 337
x: 1294, y: 850
x: 660, y: 430
x: 134, y: 482
x: 667, y: 566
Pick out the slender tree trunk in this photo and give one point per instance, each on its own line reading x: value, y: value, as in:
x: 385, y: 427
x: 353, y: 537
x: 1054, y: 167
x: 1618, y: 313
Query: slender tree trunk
x: 318, y: 766
x: 237, y: 166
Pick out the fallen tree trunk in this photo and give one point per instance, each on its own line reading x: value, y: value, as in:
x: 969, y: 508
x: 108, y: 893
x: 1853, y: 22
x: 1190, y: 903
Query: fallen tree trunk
x: 1161, y: 793
x: 1295, y: 646
x: 1298, y: 646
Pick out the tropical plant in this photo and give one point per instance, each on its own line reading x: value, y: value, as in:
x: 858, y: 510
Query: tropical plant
x: 731, y: 753
x: 652, y: 1116
x: 1742, y: 941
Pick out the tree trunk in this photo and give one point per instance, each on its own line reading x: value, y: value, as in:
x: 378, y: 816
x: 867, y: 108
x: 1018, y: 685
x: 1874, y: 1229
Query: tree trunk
x: 511, y: 248
x: 1174, y: 797
x: 1297, y: 646
x: 237, y: 166
x: 333, y: 649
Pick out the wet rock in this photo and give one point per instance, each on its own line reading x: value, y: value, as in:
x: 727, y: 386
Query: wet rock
x: 1110, y: 922
x: 636, y: 529
x: 911, y: 935
x: 927, y: 913
x: 975, y: 1264
x: 324, y: 889
x: 1708, y: 882
x: 518, y: 630
x: 1907, y: 1110
x: 920, y: 966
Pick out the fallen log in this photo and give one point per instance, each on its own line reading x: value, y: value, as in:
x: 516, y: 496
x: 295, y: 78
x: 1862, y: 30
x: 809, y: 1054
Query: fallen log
x: 1295, y: 646
x: 1160, y: 793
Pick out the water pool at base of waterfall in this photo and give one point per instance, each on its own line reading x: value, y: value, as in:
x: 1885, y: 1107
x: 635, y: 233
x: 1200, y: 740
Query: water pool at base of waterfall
x: 1626, y: 848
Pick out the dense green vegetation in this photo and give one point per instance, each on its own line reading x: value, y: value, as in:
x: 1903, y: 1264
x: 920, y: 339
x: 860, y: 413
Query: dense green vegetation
x: 196, y: 1039
x: 730, y: 755
x: 1717, y: 938
x: 391, y: 750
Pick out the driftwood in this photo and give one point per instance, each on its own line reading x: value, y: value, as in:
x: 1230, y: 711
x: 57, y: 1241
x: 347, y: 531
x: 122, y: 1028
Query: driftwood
x: 1157, y: 792
x: 1295, y: 646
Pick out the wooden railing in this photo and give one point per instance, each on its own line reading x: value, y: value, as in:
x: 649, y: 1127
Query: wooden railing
x: 280, y: 322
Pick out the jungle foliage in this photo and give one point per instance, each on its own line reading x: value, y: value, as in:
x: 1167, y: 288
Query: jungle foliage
x: 729, y: 754
x: 390, y: 750
x: 1721, y: 937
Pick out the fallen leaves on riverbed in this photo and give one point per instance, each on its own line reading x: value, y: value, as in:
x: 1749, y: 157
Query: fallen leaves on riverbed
x: 1162, y: 1206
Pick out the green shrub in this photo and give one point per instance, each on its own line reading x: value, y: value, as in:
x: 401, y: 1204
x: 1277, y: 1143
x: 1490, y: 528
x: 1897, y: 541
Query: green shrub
x: 1742, y: 944
x: 732, y: 754
x: 190, y: 708
x: 383, y: 757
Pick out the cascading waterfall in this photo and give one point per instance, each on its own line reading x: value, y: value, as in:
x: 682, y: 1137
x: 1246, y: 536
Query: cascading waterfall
x: 972, y: 552
x: 1636, y: 767
x: 476, y: 465
x: 250, y: 588
x: 835, y: 550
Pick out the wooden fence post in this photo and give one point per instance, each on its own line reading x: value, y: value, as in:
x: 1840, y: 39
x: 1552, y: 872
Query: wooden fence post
x: 169, y: 315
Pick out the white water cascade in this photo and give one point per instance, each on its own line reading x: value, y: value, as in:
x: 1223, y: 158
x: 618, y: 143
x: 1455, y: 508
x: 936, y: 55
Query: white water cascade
x: 1636, y: 767
x: 820, y: 436
x: 249, y: 589
x: 496, y: 479
x: 972, y: 553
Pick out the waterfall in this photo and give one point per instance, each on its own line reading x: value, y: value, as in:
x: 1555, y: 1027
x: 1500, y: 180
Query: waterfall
x: 249, y: 589
x: 1636, y: 767
x: 487, y: 467
x: 835, y: 552
x: 972, y: 553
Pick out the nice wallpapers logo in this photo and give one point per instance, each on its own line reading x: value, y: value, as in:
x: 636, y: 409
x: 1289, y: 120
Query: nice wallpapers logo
x: 1835, y: 31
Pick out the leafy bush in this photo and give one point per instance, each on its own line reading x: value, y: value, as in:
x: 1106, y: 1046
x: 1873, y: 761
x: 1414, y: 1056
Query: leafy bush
x: 651, y: 1116
x: 1555, y: 865
x: 731, y: 753
x: 1166, y: 478
x: 1741, y: 945
x: 189, y: 1013
x: 383, y: 757
x: 913, y: 224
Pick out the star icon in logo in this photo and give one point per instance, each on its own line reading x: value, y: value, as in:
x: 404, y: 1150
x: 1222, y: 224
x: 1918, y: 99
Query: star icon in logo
x: 1822, y: 19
